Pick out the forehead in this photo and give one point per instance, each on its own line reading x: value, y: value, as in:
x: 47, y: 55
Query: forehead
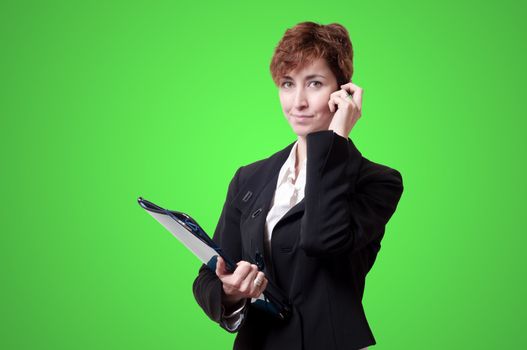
x: 318, y: 66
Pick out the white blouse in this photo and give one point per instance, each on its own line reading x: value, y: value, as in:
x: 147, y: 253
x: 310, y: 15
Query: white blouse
x: 289, y: 192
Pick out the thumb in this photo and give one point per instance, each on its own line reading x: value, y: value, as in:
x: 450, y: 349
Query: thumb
x: 220, y: 266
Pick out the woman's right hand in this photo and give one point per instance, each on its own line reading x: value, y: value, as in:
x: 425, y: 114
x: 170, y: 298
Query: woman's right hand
x: 240, y: 284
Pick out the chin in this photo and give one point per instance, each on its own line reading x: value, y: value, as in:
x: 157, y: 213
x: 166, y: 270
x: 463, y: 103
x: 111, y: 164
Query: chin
x: 303, y: 129
x: 303, y: 132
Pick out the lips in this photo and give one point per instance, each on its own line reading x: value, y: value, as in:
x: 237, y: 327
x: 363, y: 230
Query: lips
x: 302, y: 116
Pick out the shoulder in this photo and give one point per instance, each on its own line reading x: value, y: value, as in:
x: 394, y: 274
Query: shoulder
x: 372, y: 169
x: 379, y: 178
x: 249, y: 179
x: 262, y: 169
x: 363, y: 171
x: 249, y: 170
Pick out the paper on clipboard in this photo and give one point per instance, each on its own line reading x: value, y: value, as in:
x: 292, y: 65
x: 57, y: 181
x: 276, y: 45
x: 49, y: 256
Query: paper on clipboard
x: 203, y: 251
x: 188, y: 232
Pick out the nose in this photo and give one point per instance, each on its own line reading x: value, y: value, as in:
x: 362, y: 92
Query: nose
x: 300, y: 99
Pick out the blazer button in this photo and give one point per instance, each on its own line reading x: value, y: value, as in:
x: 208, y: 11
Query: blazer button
x: 256, y: 213
x: 247, y: 196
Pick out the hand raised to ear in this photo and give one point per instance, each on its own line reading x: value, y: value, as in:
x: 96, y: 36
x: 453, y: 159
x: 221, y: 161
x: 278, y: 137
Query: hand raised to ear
x: 347, y: 105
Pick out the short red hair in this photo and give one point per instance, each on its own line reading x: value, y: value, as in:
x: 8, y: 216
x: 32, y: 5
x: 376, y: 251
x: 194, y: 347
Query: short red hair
x: 308, y: 41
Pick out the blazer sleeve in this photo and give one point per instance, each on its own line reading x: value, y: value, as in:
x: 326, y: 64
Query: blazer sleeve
x: 207, y: 287
x: 346, y: 208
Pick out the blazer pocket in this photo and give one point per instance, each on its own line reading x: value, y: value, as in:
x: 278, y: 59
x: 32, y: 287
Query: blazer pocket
x: 286, y: 250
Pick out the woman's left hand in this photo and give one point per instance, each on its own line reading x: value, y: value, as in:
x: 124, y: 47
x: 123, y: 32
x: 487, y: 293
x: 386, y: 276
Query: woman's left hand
x: 348, y: 109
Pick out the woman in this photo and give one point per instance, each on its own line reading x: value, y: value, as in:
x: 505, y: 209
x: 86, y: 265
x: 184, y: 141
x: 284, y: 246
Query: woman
x: 317, y: 209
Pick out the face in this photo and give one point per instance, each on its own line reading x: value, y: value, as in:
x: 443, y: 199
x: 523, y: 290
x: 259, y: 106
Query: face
x: 304, y: 96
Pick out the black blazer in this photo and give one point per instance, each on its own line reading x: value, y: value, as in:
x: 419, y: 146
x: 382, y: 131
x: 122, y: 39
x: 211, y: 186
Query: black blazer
x: 322, y: 248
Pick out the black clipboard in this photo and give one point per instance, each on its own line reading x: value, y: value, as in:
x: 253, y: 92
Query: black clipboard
x: 190, y: 233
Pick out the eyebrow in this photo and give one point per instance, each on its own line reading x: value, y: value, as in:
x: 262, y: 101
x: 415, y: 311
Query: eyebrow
x: 307, y: 77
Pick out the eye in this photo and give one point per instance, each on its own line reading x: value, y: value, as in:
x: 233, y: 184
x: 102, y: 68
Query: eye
x: 316, y: 81
x: 285, y: 82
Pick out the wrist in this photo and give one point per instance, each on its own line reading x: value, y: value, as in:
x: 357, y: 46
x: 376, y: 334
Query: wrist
x: 230, y: 302
x: 340, y: 132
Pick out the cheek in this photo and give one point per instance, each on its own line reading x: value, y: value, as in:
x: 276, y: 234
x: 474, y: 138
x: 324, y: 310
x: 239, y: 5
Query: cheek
x: 322, y: 104
x: 284, y: 103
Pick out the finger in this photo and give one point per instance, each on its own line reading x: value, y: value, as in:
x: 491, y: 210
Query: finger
x: 262, y: 288
x: 350, y: 87
x: 345, y: 95
x: 355, y: 114
x: 332, y: 104
x: 257, y: 289
x: 247, y: 286
x: 356, y: 92
x: 241, y: 272
x: 344, y: 101
x: 235, y: 280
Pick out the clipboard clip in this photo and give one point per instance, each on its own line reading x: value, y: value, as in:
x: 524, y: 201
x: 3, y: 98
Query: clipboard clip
x: 259, y: 261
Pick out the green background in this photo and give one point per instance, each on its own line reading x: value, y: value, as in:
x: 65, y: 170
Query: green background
x: 102, y: 103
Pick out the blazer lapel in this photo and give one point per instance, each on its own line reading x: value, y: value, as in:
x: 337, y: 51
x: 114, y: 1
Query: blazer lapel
x: 255, y: 199
x: 255, y: 224
x: 297, y: 208
x: 260, y: 189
